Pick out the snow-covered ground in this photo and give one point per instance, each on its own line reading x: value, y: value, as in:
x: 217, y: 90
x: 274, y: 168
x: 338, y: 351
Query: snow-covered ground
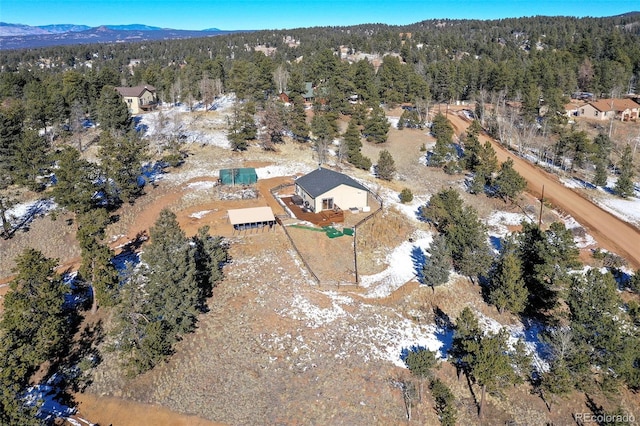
x: 626, y: 209
x: 171, y: 121
x: 22, y: 214
x: 402, y: 266
x: 366, y: 331
x: 529, y: 334
x: 279, y: 170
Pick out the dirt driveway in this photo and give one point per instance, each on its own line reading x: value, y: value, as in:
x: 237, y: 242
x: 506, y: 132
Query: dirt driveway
x: 610, y: 232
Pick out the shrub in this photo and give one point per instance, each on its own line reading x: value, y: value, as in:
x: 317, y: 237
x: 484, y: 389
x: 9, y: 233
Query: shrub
x: 406, y: 196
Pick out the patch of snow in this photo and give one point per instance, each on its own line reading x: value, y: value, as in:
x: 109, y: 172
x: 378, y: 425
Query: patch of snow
x: 529, y: 334
x: 200, y: 215
x: 43, y: 397
x: 314, y: 316
x: 411, y: 209
x: 202, y: 185
x: 24, y: 213
x: 626, y: 209
x: 499, y: 221
x: 278, y: 170
x: 401, y: 267
x: 582, y: 241
x: 366, y: 334
x: 393, y: 121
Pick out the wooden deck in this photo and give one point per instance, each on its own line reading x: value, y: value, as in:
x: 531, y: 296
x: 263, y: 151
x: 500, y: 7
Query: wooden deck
x: 324, y: 218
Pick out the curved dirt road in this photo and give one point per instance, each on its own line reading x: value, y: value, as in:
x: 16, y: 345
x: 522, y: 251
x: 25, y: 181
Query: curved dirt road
x: 610, y: 232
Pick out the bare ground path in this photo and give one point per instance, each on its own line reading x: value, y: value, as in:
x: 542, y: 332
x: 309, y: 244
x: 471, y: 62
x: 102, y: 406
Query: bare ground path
x: 609, y: 231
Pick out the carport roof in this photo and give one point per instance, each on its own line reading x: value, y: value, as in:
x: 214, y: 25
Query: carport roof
x: 251, y: 215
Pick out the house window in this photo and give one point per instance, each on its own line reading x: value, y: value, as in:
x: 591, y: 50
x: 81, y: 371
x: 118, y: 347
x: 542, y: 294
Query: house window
x: 596, y: 113
x: 327, y: 204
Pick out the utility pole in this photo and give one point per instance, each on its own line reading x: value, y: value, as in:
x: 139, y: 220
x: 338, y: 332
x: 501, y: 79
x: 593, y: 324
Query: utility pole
x: 541, y: 207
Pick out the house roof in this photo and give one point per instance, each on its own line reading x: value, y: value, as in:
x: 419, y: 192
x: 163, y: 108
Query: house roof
x: 618, y: 104
x: 135, y: 92
x: 322, y: 180
x: 308, y: 87
x: 251, y: 215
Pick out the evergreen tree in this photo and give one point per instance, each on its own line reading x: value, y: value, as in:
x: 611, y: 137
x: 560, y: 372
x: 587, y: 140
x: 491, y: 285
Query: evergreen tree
x: 31, y: 159
x: 465, y: 234
x: 409, y: 119
x: 556, y: 382
x: 442, y: 130
x: 242, y: 127
x: 444, y: 403
x: 113, y: 113
x: 420, y: 361
x: 273, y: 122
x: 76, y: 182
x: 437, y: 267
x: 121, y: 159
x: 386, y: 166
x: 509, y: 183
x: 484, y: 164
x: 506, y: 288
x: 594, y: 305
x: 472, y: 149
x: 376, y: 126
x: 547, y: 257
x: 323, y: 135
x: 600, y: 175
x: 491, y: 364
x: 97, y: 268
x: 468, y: 242
x: 576, y: 144
x: 600, y: 157
x: 297, y: 121
x: 466, y: 338
x: 351, y: 139
x: 624, y: 184
x: 12, y: 116
x: 211, y: 253
x: 34, y: 329
x: 364, y: 82
x: 170, y: 271
x: 160, y: 303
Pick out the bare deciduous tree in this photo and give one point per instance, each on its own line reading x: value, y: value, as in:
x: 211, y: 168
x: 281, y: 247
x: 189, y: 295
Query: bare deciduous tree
x: 281, y: 78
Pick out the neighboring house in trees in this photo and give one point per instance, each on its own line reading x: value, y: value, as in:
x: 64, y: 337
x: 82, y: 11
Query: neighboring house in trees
x: 284, y: 98
x: 606, y: 109
x: 324, y: 189
x: 139, y: 98
x: 308, y: 95
x: 572, y: 109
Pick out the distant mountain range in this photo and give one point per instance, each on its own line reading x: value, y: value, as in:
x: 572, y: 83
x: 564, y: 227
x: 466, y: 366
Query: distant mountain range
x: 18, y: 36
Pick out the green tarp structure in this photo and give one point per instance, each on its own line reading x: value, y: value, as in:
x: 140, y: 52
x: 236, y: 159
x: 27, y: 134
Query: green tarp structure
x: 242, y: 176
x: 329, y: 230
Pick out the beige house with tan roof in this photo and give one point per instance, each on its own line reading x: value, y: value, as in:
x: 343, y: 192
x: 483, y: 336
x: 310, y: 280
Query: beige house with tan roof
x: 139, y: 98
x: 605, y: 109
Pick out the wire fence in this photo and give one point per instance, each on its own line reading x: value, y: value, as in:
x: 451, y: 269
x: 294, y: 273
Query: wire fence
x: 355, y: 230
x: 355, y: 234
x: 286, y: 232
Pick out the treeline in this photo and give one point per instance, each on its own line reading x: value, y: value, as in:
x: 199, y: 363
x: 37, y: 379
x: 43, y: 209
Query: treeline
x: 455, y: 60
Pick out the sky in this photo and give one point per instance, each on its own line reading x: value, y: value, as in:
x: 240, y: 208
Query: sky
x: 287, y: 14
